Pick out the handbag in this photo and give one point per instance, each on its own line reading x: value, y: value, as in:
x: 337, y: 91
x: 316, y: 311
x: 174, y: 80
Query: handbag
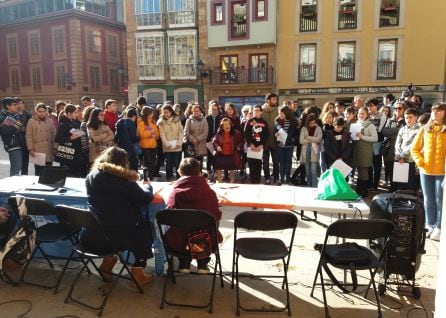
x: 199, y: 244
x: 189, y: 149
x: 67, y: 153
x: 385, y: 147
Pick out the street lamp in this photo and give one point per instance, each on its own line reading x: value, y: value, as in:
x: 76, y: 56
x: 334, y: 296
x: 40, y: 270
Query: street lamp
x: 203, y: 75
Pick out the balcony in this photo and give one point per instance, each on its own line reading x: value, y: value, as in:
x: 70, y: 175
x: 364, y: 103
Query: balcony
x: 386, y: 70
x: 307, y: 72
x: 238, y: 29
x: 183, y: 71
x: 151, y: 72
x: 347, y: 20
x: 149, y: 20
x: 181, y: 18
x: 345, y: 72
x: 242, y: 76
x: 389, y: 16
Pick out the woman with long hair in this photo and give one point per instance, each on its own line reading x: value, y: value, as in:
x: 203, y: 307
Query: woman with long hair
x: 196, y: 132
x: 327, y: 125
x: 116, y: 200
x: 232, y: 114
x: 148, y: 133
x: 100, y: 135
x: 429, y: 153
x: 228, y: 144
x: 310, y: 139
x: 286, y: 122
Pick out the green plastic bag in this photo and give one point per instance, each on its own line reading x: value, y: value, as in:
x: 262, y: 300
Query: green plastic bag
x: 332, y: 186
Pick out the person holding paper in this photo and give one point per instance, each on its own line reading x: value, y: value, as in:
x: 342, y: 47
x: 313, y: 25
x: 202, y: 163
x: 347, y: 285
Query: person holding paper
x: 310, y: 139
x: 363, y: 150
x: 338, y: 144
x: 148, y: 133
x: 429, y: 153
x: 213, y: 120
x: 256, y: 135
x: 286, y: 125
x: 40, y: 133
x: 100, y: 135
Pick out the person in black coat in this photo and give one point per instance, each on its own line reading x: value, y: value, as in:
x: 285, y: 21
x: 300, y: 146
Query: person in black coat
x: 213, y: 120
x: 126, y: 136
x: 116, y: 199
x: 338, y: 144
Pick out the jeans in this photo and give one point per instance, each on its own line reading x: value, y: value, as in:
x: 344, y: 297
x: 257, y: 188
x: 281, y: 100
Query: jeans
x: 432, y: 187
x: 266, y: 153
x: 172, y: 159
x: 312, y: 172
x: 15, y: 159
x: 285, y: 158
x: 149, y: 156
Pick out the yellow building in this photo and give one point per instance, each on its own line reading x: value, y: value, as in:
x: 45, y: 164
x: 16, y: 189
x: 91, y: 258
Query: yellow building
x: 342, y: 48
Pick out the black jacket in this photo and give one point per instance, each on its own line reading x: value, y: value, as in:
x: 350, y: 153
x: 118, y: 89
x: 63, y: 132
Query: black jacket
x: 256, y: 132
x: 126, y: 138
x: 332, y: 152
x: 63, y: 137
x: 213, y: 124
x: 12, y: 137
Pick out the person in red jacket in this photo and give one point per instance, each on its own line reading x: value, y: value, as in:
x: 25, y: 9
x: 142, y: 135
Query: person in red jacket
x: 111, y: 114
x: 191, y: 191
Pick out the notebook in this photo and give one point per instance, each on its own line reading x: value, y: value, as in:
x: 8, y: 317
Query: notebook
x: 51, y: 179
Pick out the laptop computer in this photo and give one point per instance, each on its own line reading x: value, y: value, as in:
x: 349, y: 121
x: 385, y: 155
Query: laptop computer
x: 51, y: 179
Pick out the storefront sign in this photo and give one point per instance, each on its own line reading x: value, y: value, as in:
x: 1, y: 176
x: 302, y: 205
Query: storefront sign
x: 358, y: 90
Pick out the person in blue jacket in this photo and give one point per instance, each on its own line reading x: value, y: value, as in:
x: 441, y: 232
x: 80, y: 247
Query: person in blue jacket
x: 126, y: 136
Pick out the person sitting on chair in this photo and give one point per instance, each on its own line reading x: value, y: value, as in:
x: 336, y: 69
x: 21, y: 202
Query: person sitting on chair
x: 191, y: 191
x: 116, y: 199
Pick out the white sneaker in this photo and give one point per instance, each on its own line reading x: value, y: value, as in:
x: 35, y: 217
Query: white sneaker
x: 429, y: 230
x: 435, y: 235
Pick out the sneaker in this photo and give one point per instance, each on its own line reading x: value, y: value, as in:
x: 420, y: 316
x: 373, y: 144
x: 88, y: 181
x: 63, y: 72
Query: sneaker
x: 435, y: 235
x: 183, y: 266
x: 203, y: 271
x: 278, y: 182
x: 184, y: 270
x: 202, y: 266
x: 429, y: 230
x: 267, y: 182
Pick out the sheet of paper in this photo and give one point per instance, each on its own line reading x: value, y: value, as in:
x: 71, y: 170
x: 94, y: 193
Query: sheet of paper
x: 210, y: 146
x: 354, y: 129
x: 254, y: 154
x: 377, y: 147
x: 38, y: 159
x: 401, y: 172
x: 282, y: 136
x: 344, y: 168
x: 77, y: 132
x: 173, y: 143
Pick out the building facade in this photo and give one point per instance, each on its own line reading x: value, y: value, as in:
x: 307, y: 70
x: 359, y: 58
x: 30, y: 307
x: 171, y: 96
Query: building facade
x: 162, y: 44
x: 62, y: 49
x: 241, y: 37
x: 334, y: 50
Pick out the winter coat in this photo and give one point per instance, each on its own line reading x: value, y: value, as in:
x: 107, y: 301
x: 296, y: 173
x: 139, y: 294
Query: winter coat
x: 269, y: 114
x: 404, y: 140
x: 63, y: 135
x: 256, y: 132
x: 100, y: 139
x: 237, y: 146
x: 332, y: 152
x: 191, y: 192
x: 110, y: 118
x: 171, y: 129
x: 116, y: 200
x: 390, y: 132
x: 126, y: 138
x: 291, y: 131
x: 310, y: 141
x: 12, y: 137
x: 148, y: 135
x: 198, y: 129
x: 213, y: 124
x: 40, y: 137
x: 429, y: 150
x: 363, y: 148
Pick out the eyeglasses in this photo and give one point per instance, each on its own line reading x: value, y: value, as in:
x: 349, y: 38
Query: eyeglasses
x: 246, y: 111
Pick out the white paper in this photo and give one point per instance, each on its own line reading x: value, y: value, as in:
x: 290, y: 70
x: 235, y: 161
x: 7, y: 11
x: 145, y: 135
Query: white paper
x: 77, y: 132
x: 173, y: 143
x: 401, y: 172
x: 38, y: 159
x: 254, y: 154
x: 282, y: 136
x: 354, y: 129
x: 344, y: 168
x: 210, y: 146
x: 377, y: 147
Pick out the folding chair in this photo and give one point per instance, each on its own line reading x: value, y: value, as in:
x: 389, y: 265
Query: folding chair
x: 351, y: 256
x: 46, y: 233
x: 188, y: 220
x: 263, y: 248
x: 87, y: 220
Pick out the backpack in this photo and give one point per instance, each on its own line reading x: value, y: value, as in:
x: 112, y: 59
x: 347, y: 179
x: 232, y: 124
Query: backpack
x: 298, y: 177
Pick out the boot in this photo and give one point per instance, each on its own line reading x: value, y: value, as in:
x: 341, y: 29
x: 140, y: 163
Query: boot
x: 219, y: 176
x: 141, y: 276
x: 232, y: 176
x: 106, y: 268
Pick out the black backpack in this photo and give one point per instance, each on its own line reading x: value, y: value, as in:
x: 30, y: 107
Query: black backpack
x: 298, y: 177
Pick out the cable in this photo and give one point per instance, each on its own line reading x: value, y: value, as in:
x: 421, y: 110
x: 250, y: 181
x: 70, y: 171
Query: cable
x: 29, y: 303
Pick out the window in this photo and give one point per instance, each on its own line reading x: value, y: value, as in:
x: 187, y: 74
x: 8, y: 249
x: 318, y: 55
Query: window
x: 59, y: 45
x: 386, y: 66
x: 114, y: 80
x: 12, y: 47
x: 229, y: 69
x: 148, y: 13
x: 260, y: 10
x: 95, y: 81
x: 112, y: 46
x: 94, y: 42
x: 347, y: 14
x: 100, y: 7
x: 61, y: 77
x: 181, y: 12
x: 345, y: 69
x: 34, y: 44
x: 15, y: 80
x: 308, y: 16
x: 258, y: 68
x: 239, y: 27
x: 218, y: 14
x: 150, y: 56
x: 182, y: 55
x: 389, y: 14
x: 307, y: 63
x: 36, y: 78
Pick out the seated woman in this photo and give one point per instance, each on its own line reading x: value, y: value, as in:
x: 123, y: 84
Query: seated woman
x: 191, y: 191
x: 116, y: 199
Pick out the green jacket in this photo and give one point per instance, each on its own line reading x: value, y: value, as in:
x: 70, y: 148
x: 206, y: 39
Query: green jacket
x: 269, y: 114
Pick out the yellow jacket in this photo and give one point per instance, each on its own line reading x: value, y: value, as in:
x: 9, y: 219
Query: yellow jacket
x: 429, y: 150
x: 148, y: 135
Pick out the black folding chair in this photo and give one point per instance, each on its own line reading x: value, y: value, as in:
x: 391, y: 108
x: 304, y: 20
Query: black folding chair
x: 188, y: 220
x: 263, y: 249
x: 87, y: 220
x: 46, y: 233
x: 351, y: 256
